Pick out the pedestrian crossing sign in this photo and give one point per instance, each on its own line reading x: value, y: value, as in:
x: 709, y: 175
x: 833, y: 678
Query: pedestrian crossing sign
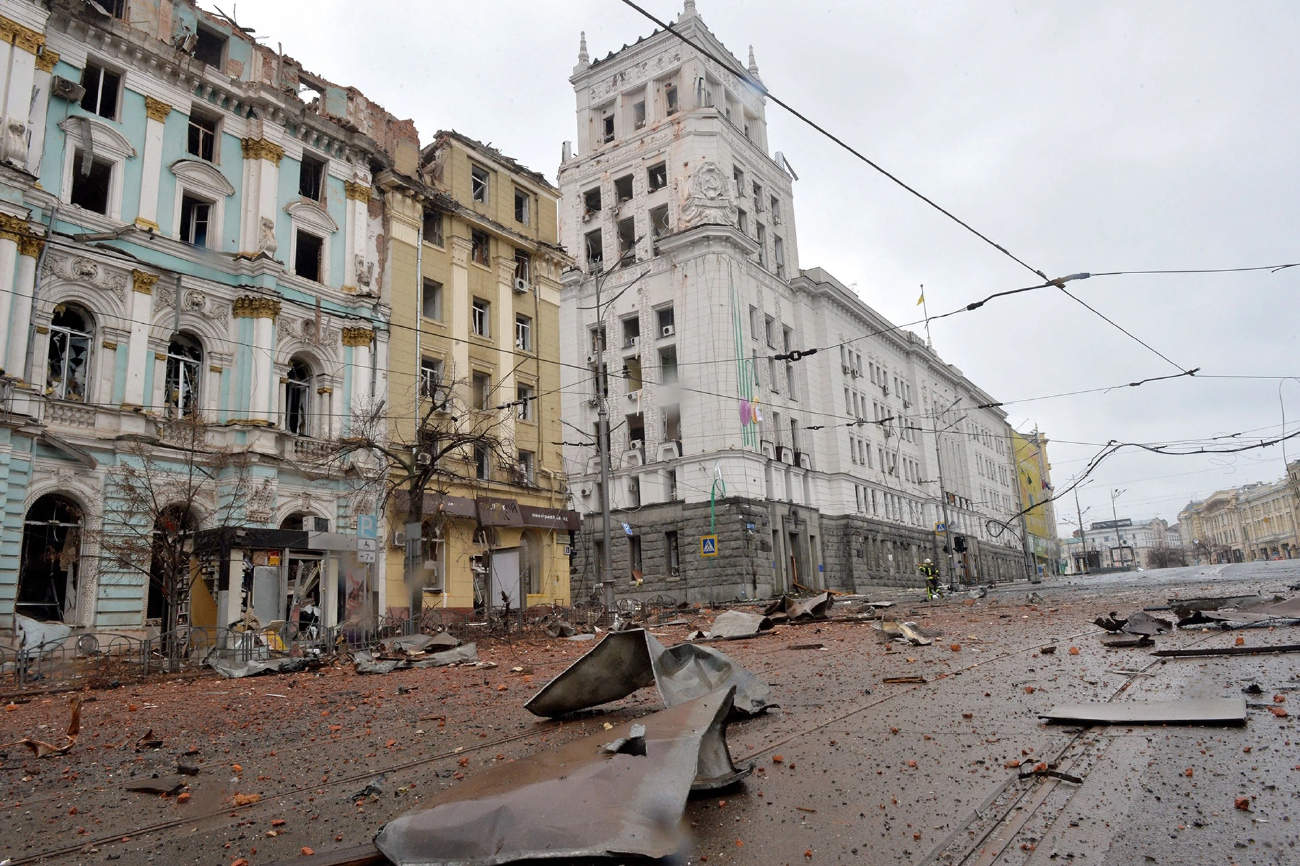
x: 708, y: 545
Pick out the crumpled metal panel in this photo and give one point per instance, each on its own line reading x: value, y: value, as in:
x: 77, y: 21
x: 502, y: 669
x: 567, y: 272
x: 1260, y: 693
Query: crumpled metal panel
x: 629, y: 660
x: 817, y: 607
x: 738, y: 623
x: 1194, y: 711
x: 578, y: 800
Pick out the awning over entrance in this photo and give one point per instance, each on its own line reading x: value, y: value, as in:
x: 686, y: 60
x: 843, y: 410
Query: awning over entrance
x: 436, y: 504
x: 559, y: 519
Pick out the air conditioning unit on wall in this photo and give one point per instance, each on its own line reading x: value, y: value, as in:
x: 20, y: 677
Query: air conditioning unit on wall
x: 521, y: 286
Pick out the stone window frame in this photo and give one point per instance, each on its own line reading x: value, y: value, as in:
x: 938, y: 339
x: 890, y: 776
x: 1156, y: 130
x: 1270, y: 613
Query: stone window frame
x: 105, y: 143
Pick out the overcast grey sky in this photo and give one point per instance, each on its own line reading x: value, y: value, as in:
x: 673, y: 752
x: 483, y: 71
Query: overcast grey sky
x: 1082, y: 136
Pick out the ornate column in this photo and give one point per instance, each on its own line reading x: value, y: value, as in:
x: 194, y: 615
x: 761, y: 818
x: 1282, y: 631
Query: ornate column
x: 15, y: 359
x: 357, y: 367
x: 506, y: 358
x: 12, y: 230
x: 261, y: 388
x: 40, y: 109
x: 137, y: 353
x: 358, y: 275
x: 261, y: 180
x: 18, y: 47
x: 460, y: 250
x: 157, y: 112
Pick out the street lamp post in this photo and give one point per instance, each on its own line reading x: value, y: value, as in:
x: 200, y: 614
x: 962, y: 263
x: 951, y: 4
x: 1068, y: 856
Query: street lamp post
x: 1115, y: 494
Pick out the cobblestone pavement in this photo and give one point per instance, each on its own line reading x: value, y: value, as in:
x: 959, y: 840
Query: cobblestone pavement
x: 850, y: 769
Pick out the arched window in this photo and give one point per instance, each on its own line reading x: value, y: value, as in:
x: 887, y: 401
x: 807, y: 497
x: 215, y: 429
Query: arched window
x: 51, y: 560
x: 71, y: 336
x: 184, y: 360
x: 297, y: 398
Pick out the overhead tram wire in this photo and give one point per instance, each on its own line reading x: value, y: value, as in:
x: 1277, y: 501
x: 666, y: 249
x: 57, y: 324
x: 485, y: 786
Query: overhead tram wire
x: 745, y: 76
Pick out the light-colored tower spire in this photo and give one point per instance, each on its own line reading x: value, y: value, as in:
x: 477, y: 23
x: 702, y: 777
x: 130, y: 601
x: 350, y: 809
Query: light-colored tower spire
x: 583, y: 58
x: 753, y: 65
x: 688, y: 10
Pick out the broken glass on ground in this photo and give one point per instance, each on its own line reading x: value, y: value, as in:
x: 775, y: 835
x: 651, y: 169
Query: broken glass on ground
x: 578, y: 800
x: 629, y: 660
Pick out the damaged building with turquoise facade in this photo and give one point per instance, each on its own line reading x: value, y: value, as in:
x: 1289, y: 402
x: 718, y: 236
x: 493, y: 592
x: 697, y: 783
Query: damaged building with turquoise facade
x: 188, y: 241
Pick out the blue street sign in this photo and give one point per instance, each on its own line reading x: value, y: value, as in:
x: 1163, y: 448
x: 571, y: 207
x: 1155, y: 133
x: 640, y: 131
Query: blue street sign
x: 367, y: 526
x: 708, y: 545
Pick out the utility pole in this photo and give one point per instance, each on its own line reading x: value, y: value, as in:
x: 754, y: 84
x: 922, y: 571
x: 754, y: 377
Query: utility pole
x: 943, y: 500
x: 1115, y: 494
x: 1083, y: 535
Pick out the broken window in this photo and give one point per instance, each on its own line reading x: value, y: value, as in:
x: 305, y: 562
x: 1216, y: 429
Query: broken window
x: 91, y: 184
x: 778, y: 254
x: 430, y: 377
x: 670, y: 99
x: 638, y: 114
x: 195, y: 216
x: 202, y: 141
x: 742, y: 221
x: 522, y: 206
x: 71, y: 336
x: 307, y: 255
x: 523, y: 333
x: 480, y: 247
x: 102, y: 89
x: 480, y: 318
x: 636, y: 430
x: 657, y: 176
x: 664, y: 321
x: 769, y: 331
x: 600, y: 381
x: 526, y: 462
x: 433, y: 229
x: 776, y: 210
x: 626, y: 236
x: 762, y: 244
x: 184, y: 361
x: 607, y: 126
x: 634, y: 556
x: 668, y: 365
x: 673, y: 553
x: 632, y: 373
x: 659, y: 221
x: 591, y: 201
x: 758, y: 197
x: 738, y: 177
x: 311, y: 177
x: 595, y: 250
x: 431, y: 301
x: 673, y: 425
x: 598, y: 340
x: 297, y: 398
x: 623, y: 188
x: 631, y: 331
x: 116, y: 8
x: 482, y: 463
x: 478, y: 183
x: 523, y: 266
x: 51, y: 560
x: 482, y: 385
x: 525, y: 396
x: 210, y: 47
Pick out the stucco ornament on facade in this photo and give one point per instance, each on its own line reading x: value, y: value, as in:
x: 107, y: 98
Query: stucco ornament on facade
x: 255, y: 308
x: 156, y: 109
x: 358, y: 336
x: 260, y: 148
x: 266, y: 242
x: 708, y: 198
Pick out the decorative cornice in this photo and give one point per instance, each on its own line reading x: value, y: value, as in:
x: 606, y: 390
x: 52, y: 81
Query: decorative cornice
x: 260, y: 148
x: 30, y: 246
x: 358, y: 336
x: 46, y: 59
x: 250, y: 422
x: 356, y: 191
x: 23, y: 37
x: 12, y: 227
x: 143, y: 283
x: 255, y: 308
x: 324, y: 391
x: 156, y: 108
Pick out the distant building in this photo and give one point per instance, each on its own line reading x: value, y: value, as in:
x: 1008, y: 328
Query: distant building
x: 1125, y: 544
x: 1254, y: 522
x: 826, y: 470
x: 1038, y: 523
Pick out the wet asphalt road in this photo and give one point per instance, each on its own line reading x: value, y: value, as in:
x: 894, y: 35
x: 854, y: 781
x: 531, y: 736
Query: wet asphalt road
x: 850, y: 769
x: 877, y: 773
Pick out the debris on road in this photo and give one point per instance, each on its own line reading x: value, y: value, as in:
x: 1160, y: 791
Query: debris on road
x: 157, y: 787
x: 907, y: 680
x: 817, y: 607
x: 577, y: 800
x: 1195, y: 711
x: 1228, y: 651
x: 735, y: 624
x: 1128, y: 642
x: 1110, y: 623
x: 387, y: 662
x: 231, y: 669
x: 626, y: 661
x: 1141, y: 622
x: 42, y: 749
x: 908, y: 631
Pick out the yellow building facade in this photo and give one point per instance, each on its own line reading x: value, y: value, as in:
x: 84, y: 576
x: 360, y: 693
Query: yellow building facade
x: 474, y: 361
x: 1035, y: 481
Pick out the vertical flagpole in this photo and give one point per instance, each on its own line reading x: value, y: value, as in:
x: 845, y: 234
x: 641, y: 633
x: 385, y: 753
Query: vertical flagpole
x: 926, y: 311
